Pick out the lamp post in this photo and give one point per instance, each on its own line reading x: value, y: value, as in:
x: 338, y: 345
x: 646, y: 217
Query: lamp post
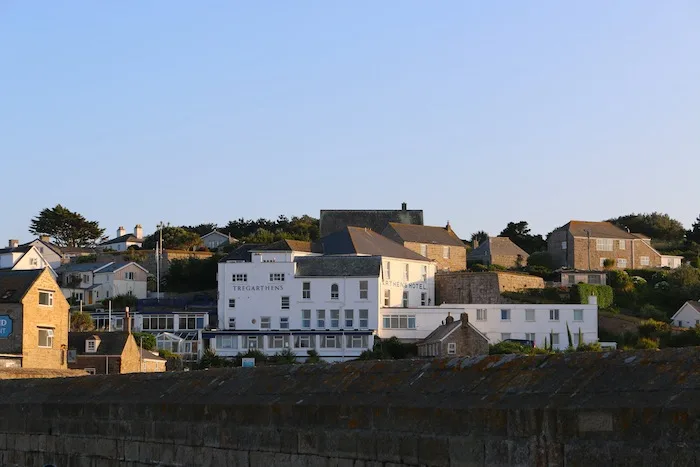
x: 159, y: 252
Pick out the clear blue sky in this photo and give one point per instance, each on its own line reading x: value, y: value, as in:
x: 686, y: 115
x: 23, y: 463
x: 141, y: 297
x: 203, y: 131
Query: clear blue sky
x: 477, y: 112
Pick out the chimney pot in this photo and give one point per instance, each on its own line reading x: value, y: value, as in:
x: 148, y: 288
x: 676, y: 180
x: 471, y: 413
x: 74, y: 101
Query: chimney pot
x: 138, y: 231
x: 127, y: 315
x: 403, y: 206
x: 13, y: 243
x: 45, y: 238
x: 464, y: 319
x: 121, y: 231
x: 449, y: 319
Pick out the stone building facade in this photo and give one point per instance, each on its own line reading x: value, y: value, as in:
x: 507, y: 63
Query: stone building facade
x: 109, y: 353
x: 500, y: 251
x: 34, y: 320
x: 586, y: 246
x: 481, y: 287
x: 439, y: 244
x: 454, y: 339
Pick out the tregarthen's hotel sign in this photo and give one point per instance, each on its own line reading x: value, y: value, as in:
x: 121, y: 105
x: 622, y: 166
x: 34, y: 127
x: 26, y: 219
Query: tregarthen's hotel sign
x: 258, y: 288
x: 406, y: 285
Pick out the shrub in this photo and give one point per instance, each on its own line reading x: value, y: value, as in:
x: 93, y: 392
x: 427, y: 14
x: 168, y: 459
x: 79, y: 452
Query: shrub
x: 209, y: 359
x: 146, y: 340
x: 312, y: 356
x: 620, y: 280
x: 639, y: 281
x: 394, y: 348
x: 285, y: 357
x: 581, y: 292
x: 478, y: 267
x: 651, y: 312
x: 173, y: 361
x: 645, y: 343
x: 650, y: 328
x: 687, y: 338
x: 540, y: 271
x: 257, y: 354
x: 541, y: 259
x: 608, y: 263
x: 590, y: 347
x: 120, y: 302
x: 507, y: 347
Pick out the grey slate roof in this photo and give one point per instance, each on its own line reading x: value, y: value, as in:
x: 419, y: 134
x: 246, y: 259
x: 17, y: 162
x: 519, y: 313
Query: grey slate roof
x: 356, y: 240
x: 242, y: 253
x: 502, y: 246
x: 330, y: 266
x: 111, y: 343
x: 334, y: 220
x: 289, y: 245
x: 115, y: 265
x: 148, y: 355
x: 19, y: 249
x: 122, y: 239
x: 81, y: 267
x: 15, y: 284
x: 441, y: 332
x: 423, y: 234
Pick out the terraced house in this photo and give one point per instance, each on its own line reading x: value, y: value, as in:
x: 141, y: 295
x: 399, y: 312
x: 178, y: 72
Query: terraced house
x: 586, y: 246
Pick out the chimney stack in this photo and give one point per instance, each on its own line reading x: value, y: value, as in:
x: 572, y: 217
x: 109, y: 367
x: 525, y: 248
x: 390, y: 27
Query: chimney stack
x: 121, y: 231
x: 138, y: 231
x: 403, y: 206
x: 449, y: 320
x: 464, y: 319
x: 475, y: 243
x: 45, y: 238
x: 13, y: 243
x: 127, y: 319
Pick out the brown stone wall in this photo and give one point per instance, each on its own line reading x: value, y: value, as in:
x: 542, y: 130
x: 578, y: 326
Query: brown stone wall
x: 508, y: 261
x: 131, y: 356
x: 641, y: 248
x: 469, y: 343
x: 481, y: 287
x: 153, y: 366
x: 35, y: 316
x: 554, y: 241
x: 98, y: 362
x: 31, y: 373
x: 456, y: 262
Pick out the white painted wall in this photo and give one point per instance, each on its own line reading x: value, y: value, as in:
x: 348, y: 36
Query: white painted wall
x: 53, y: 258
x: 31, y: 260
x: 671, y: 261
x: 686, y: 317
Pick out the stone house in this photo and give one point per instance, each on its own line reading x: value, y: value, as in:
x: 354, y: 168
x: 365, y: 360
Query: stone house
x: 439, y: 244
x: 586, y: 245
x: 481, y: 287
x: 335, y: 220
x: 454, y: 339
x: 500, y: 251
x: 109, y: 353
x: 34, y: 320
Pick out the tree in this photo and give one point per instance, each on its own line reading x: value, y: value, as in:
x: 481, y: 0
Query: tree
x: 541, y: 259
x: 81, y: 322
x: 656, y: 225
x: 693, y: 235
x: 201, y: 229
x: 65, y: 227
x: 145, y: 340
x: 174, y: 238
x: 519, y: 233
x: 480, y: 236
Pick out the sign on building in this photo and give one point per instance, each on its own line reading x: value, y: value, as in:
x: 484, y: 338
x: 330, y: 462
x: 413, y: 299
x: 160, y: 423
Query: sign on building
x: 5, y: 326
x: 248, y: 362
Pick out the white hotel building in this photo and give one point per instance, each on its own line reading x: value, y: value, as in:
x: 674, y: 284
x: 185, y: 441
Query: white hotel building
x: 335, y: 296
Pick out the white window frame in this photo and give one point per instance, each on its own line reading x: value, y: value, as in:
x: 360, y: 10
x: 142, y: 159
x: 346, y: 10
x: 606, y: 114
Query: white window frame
x: 265, y: 322
x: 276, y: 277
x: 644, y: 260
x: 364, y: 290
x: 407, y: 272
x: 239, y: 278
x: 554, y: 314
x: 49, y: 298
x: 321, y: 319
x: 424, y: 273
x: 335, y: 292
x: 284, y: 303
x: 602, y: 262
x: 451, y: 348
x: 446, y: 252
x: 349, y: 320
x: 90, y: 371
x: 232, y: 303
x: 530, y: 336
x: 284, y: 322
x: 388, y: 270
x: 90, y: 346
x: 232, y: 323
x: 621, y: 245
x: 364, y: 319
x: 580, y: 315
x: 555, y: 337
x: 335, y: 319
x: 505, y: 336
x: 604, y: 244
x: 424, y: 250
x: 481, y: 314
x: 530, y: 315
x: 48, y: 337
x: 621, y: 263
x: 129, y: 275
x: 306, y: 319
x: 304, y: 342
x: 424, y: 299
x: 404, y: 299
x: 505, y: 312
x: 306, y: 290
x: 387, y: 297
x: 563, y: 245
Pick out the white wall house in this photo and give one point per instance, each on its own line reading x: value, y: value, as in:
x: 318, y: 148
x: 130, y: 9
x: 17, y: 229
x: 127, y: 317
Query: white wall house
x: 25, y: 257
x: 123, y: 240
x: 671, y: 262
x: 93, y: 282
x: 688, y: 315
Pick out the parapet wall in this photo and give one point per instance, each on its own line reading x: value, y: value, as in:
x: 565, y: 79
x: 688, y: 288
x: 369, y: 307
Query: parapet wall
x: 623, y: 408
x: 481, y: 287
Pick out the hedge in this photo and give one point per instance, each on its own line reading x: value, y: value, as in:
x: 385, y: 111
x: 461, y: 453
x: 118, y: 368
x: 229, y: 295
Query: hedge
x: 581, y: 292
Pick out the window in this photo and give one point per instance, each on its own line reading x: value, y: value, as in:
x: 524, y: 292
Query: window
x: 621, y: 244
x: 356, y: 342
x: 572, y: 279
x: 321, y: 319
x: 604, y: 244
x: 364, y: 319
x: 399, y: 322
x: 303, y: 342
x: 34, y: 261
x: 621, y: 263
x: 481, y: 314
x: 424, y: 273
x: 554, y: 315
x: 406, y: 273
x: 232, y: 323
x: 530, y: 336
x: 424, y: 250
x: 404, y: 301
x: 45, y: 298
x: 129, y: 276
x: 563, y: 245
x: 602, y: 262
x: 505, y: 315
x: 240, y: 278
x: 505, y: 336
x: 306, y: 290
x: 335, y: 319
x: 530, y: 315
x: 349, y: 318
x: 306, y: 319
x: 226, y: 342
x: 285, y: 303
x: 254, y: 342
x: 330, y: 342
x: 451, y: 348
x: 277, y: 277
x: 232, y: 303
x: 45, y: 337
x: 278, y: 342
x: 284, y: 322
x: 91, y: 346
x: 594, y: 279
x: 72, y: 356
x: 387, y: 297
x: 576, y: 342
x: 86, y: 278
x: 644, y: 260
x: 264, y: 322
x: 90, y: 371
x: 364, y: 290
x: 446, y: 252
x: 578, y: 315
x: 187, y: 322
x: 555, y: 339
x: 423, y: 298
x: 388, y: 270
x: 158, y: 322
x: 334, y: 292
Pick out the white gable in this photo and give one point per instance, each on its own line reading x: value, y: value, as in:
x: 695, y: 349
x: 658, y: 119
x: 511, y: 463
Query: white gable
x: 687, y: 316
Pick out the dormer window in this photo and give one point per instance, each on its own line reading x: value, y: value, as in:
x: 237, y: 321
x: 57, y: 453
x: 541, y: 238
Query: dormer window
x: 92, y: 344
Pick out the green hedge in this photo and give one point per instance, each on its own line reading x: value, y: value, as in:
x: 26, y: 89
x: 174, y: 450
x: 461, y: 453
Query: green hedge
x: 581, y: 292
